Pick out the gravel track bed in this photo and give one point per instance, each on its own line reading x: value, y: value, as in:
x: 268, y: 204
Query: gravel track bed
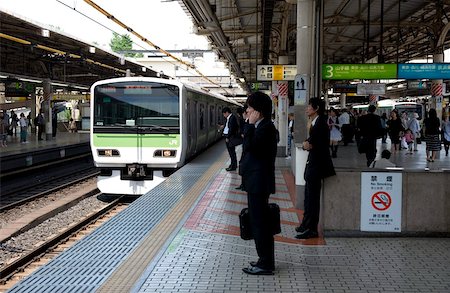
x: 27, y: 241
x: 11, y: 215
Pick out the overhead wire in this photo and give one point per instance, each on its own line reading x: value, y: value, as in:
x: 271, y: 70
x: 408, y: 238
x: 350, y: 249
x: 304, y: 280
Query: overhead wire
x: 145, y: 40
x: 104, y: 26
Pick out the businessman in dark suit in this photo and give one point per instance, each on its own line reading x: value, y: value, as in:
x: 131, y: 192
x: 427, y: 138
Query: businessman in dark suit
x: 231, y: 133
x: 370, y: 129
x: 258, y: 178
x: 318, y: 166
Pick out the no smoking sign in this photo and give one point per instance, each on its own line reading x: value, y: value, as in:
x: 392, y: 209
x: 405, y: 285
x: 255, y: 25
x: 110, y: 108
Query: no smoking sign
x: 381, y: 201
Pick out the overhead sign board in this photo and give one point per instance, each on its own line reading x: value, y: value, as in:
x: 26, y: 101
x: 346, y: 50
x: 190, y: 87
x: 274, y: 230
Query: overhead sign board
x: 358, y: 71
x: 424, y: 70
x: 417, y: 84
x: 259, y: 86
x: 15, y: 88
x: 371, y: 89
x: 381, y: 201
x: 276, y: 72
x: 344, y: 88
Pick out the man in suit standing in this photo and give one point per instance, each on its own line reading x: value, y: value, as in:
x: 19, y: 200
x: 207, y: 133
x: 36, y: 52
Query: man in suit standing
x: 370, y: 129
x: 318, y: 166
x: 258, y: 178
x: 231, y: 133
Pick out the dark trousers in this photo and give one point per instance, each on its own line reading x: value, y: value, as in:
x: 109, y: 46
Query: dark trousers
x: 232, y: 153
x: 259, y: 212
x: 40, y: 131
x: 347, y: 134
x: 312, y: 204
x: 371, y: 152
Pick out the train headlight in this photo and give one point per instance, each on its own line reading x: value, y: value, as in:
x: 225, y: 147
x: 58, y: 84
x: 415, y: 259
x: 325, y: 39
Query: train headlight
x: 108, y: 153
x: 165, y: 153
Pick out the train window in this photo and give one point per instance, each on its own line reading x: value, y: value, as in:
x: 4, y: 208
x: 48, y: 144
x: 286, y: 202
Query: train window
x: 211, y: 115
x: 138, y: 104
x: 219, y: 115
x: 202, y: 116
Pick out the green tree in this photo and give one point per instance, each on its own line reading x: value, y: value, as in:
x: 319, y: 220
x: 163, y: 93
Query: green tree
x: 122, y: 43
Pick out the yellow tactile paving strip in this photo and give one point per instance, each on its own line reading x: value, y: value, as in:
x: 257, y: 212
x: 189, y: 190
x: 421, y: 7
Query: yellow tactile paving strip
x: 127, y: 274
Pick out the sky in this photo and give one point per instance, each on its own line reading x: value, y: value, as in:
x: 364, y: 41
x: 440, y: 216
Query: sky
x: 163, y: 22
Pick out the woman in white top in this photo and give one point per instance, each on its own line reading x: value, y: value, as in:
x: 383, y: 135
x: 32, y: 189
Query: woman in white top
x: 414, y: 126
x: 335, y: 132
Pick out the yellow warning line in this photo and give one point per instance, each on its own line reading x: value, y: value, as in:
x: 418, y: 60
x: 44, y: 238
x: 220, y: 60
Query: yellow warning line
x: 127, y: 274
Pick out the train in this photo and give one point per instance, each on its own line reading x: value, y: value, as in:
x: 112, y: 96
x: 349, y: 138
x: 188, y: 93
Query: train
x: 386, y: 106
x: 142, y: 129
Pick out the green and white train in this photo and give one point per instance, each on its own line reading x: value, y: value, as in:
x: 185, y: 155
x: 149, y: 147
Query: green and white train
x: 143, y: 129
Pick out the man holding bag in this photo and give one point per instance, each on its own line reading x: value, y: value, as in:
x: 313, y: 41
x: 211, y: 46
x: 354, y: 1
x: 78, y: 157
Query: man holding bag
x: 258, y: 179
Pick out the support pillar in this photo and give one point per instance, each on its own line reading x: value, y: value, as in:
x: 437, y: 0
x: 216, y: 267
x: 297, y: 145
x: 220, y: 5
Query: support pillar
x: 33, y: 113
x: 343, y: 100
x: 47, y: 109
x: 305, y: 54
x: 436, y: 88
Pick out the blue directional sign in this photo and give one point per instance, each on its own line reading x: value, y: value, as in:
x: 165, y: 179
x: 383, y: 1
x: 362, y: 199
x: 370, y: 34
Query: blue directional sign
x: 424, y: 70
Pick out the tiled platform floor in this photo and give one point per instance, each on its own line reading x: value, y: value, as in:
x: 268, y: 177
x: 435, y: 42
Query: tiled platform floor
x: 208, y: 255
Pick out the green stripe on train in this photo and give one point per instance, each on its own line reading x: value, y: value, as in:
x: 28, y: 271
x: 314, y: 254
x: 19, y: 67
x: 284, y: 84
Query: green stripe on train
x: 132, y: 140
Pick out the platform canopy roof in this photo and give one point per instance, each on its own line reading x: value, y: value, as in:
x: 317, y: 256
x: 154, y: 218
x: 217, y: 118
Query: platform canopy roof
x: 28, y: 50
x: 246, y: 33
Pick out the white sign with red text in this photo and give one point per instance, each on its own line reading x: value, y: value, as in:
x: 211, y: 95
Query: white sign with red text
x: 381, y: 201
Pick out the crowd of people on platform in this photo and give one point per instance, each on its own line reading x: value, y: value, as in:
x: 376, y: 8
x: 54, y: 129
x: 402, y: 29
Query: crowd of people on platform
x: 11, y: 122
x: 404, y: 131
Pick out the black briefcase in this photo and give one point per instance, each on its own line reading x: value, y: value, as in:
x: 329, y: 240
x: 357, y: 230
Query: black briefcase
x: 246, y: 229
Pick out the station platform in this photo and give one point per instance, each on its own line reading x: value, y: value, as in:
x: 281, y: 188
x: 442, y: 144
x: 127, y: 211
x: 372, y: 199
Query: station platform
x: 183, y: 236
x: 36, y: 152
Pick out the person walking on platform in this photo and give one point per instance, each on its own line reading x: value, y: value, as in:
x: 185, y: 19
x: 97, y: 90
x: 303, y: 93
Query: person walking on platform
x: 231, y: 133
x: 335, y: 131
x: 384, y: 126
x: 318, y: 166
x: 40, y: 124
x: 23, y: 123
x: 346, y: 128
x: 242, y: 121
x: 395, y: 128
x: 54, y: 122
x: 3, y: 130
x: 14, y: 123
x: 431, y: 126
x: 258, y: 179
x: 414, y: 126
x: 446, y: 133
x: 370, y: 129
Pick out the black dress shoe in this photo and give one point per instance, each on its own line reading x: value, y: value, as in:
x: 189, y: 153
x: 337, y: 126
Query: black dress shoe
x: 230, y: 169
x: 257, y: 271
x: 300, y: 229
x: 253, y: 263
x: 307, y: 234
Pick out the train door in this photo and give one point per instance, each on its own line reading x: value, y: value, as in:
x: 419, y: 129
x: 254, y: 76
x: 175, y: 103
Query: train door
x: 192, y: 126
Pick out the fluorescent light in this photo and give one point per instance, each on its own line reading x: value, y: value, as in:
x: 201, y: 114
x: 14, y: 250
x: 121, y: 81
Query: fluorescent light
x: 30, y: 80
x: 144, y: 69
x: 92, y: 50
x: 3, y: 76
x: 59, y: 84
x: 242, y: 79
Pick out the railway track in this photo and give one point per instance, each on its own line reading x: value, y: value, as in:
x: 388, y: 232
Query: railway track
x: 31, y: 260
x: 27, y: 184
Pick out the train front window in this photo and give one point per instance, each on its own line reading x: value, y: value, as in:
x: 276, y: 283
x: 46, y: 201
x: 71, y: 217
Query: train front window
x: 137, y: 104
